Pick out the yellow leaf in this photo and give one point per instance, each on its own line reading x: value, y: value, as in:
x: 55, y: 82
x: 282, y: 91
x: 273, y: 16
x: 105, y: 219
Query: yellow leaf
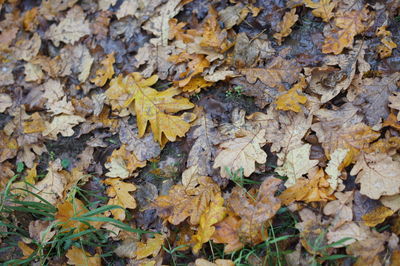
x: 177, y: 32
x: 213, y: 214
x: 242, y: 152
x: 387, y: 44
x: 213, y: 36
x: 196, y: 63
x: 8, y: 147
x: 66, y: 211
x: 322, y: 9
x: 34, y: 124
x: 79, y: 257
x: 284, y: 27
x: 348, y: 24
x: 152, y: 247
x: 377, y: 216
x: 105, y: 72
x: 226, y: 232
x: 26, y: 250
x: 150, y: 105
x: 291, y: 100
x: 119, y: 193
x: 196, y: 84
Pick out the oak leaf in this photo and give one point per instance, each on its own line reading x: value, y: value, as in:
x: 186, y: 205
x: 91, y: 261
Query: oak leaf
x: 284, y: 28
x: 119, y: 195
x: 340, y: 209
x: 181, y: 203
x: 123, y: 163
x: 8, y: 147
x: 335, y: 166
x: 105, y: 72
x: 213, y: 214
x: 255, y: 212
x: 218, y: 262
x: 373, y: 169
x: 349, y: 24
x: 291, y: 100
x: 315, y: 188
x: 377, y: 216
x: 5, y: 102
x: 387, y: 44
x: 196, y: 63
x: 79, y: 257
x: 70, y: 29
x: 26, y: 250
x: 62, y: 124
x: 151, y: 247
x: 241, y: 152
x: 226, y: 232
x: 296, y: 164
x: 322, y: 9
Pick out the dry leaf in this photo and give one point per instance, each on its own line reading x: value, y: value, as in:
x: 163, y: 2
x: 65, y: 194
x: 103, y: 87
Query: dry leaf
x: 255, y: 212
x: 79, y: 257
x: 62, y: 124
x: 5, y: 102
x: 291, y: 100
x: 297, y: 163
x: 226, y: 232
x: 377, y: 216
x: 119, y: 195
x: 181, y: 203
x: 213, y: 214
x: 340, y: 209
x: 105, y: 72
x: 151, y: 247
x: 335, y: 166
x: 123, y: 163
x: 241, y: 153
x: 322, y: 9
x: 70, y: 29
x: 373, y: 169
x: 284, y: 28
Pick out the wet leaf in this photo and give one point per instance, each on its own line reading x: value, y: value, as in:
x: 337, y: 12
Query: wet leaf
x: 377, y: 216
x: 322, y: 8
x: 291, y: 100
x: 284, y: 27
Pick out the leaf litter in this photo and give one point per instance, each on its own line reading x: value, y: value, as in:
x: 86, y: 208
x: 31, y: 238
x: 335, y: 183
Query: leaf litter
x: 218, y: 127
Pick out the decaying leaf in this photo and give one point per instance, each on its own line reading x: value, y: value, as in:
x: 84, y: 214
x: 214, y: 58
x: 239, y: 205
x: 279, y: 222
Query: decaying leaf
x: 297, y: 163
x: 378, y: 174
x: 241, y: 152
x: 106, y: 71
x: 255, y: 212
x: 284, y: 27
x: 291, y: 100
x: 181, y: 203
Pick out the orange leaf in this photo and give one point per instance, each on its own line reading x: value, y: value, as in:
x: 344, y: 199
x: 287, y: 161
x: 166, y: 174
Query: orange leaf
x: 26, y: 250
x: 119, y: 195
x: 377, y: 216
x: 105, y: 72
x: 152, y: 247
x: 291, y: 100
x: 322, y: 9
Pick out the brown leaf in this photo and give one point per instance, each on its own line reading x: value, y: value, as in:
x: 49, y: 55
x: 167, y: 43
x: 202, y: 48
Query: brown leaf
x: 105, y: 72
x: 79, y: 257
x: 322, y: 8
x: 284, y: 27
x: 255, y: 212
x: 151, y: 247
x: 377, y: 216
x: 226, y: 232
x: 119, y: 195
x: 340, y: 209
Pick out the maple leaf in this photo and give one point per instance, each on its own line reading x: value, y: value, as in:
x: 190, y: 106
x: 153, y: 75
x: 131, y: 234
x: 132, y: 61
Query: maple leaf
x: 254, y: 213
x: 348, y: 25
x: 297, y: 163
x: 105, y: 72
x: 377, y: 216
x: 79, y: 257
x: 241, y: 152
x: 119, y: 195
x: 379, y: 169
x: 284, y: 28
x: 70, y: 29
x: 322, y: 9
x: 213, y: 214
x: 152, y: 247
x: 291, y: 100
x: 181, y: 203
x: 151, y: 106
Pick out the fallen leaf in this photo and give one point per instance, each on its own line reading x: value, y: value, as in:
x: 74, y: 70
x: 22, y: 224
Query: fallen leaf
x: 79, y: 257
x: 5, y: 102
x: 218, y: 262
x: 348, y: 24
x: 255, y: 212
x: 284, y: 28
x: 241, y: 152
x: 226, y: 232
x: 321, y: 9
x: 105, y: 72
x: 180, y: 203
x: 70, y: 29
x: 213, y: 214
x: 119, y: 195
x: 26, y: 250
x: 377, y: 216
x: 151, y: 247
x: 8, y: 147
x: 123, y: 163
x: 297, y: 163
x: 335, y: 166
x: 291, y: 100
x: 340, y: 209
x: 372, y: 169
x: 62, y: 124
